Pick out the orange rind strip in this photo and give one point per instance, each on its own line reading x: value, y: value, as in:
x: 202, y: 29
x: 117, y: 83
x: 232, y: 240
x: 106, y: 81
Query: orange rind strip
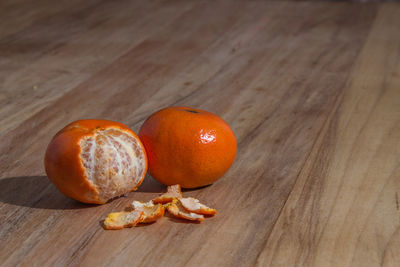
x: 146, y: 212
x: 173, y: 192
x: 123, y: 219
x: 151, y: 212
x: 194, y: 205
x: 176, y: 209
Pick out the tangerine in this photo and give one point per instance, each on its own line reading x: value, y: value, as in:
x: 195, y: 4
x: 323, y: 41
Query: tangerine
x: 93, y: 161
x: 187, y: 146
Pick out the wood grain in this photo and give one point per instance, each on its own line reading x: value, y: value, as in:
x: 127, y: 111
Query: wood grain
x: 343, y: 209
x: 309, y: 88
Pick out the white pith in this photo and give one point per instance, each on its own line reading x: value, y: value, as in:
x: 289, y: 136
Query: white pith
x: 191, y: 204
x: 137, y: 205
x: 189, y: 214
x: 131, y: 217
x: 193, y: 215
x: 113, y: 161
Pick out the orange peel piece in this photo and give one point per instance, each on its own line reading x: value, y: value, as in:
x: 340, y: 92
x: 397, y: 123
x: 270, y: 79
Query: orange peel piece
x: 176, y: 209
x: 123, y: 219
x: 193, y: 205
x: 151, y: 212
x: 173, y: 192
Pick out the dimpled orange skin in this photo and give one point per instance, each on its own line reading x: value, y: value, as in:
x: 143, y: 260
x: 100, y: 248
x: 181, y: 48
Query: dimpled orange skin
x: 187, y: 146
x: 63, y: 164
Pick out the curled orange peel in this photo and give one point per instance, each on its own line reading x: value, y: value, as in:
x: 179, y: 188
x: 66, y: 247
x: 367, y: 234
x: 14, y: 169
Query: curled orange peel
x: 146, y: 212
x: 173, y: 192
x: 177, y: 210
x: 123, y: 219
x: 194, y: 205
x: 151, y: 212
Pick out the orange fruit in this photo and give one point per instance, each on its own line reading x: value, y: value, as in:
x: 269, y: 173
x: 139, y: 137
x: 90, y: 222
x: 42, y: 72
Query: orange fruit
x: 93, y: 161
x: 187, y: 146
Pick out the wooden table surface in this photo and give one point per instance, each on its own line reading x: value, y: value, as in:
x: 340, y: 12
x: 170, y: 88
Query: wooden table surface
x: 311, y: 90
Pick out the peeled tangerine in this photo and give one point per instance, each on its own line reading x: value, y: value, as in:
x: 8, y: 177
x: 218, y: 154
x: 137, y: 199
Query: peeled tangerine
x: 94, y: 161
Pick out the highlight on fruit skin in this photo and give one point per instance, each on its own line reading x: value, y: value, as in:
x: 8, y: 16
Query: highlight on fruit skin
x: 175, y: 208
x: 187, y: 146
x: 151, y: 212
x: 123, y: 219
x: 173, y: 192
x: 194, y: 205
x: 94, y: 161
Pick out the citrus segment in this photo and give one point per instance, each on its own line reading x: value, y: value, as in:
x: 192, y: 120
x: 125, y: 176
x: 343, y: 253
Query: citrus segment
x: 113, y: 161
